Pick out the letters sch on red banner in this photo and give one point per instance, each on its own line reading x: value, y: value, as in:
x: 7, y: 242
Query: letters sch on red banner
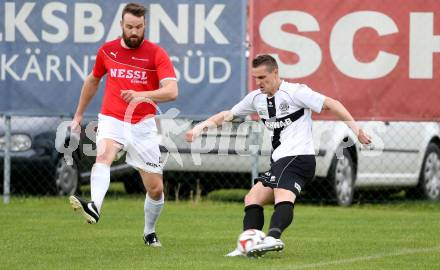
x: 381, y: 59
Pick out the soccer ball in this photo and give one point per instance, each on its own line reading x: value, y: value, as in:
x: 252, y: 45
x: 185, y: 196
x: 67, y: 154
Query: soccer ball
x: 249, y: 239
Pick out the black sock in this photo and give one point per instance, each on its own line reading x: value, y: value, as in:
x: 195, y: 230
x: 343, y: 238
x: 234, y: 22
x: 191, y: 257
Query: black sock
x: 282, y: 217
x: 253, y: 217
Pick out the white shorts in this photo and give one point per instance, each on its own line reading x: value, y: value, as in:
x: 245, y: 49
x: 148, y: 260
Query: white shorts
x: 140, y: 141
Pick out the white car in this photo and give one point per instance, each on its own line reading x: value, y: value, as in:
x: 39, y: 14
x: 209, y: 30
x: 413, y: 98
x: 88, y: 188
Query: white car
x: 403, y: 156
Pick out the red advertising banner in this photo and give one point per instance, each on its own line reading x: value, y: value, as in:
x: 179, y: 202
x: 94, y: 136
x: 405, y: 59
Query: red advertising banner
x: 380, y: 58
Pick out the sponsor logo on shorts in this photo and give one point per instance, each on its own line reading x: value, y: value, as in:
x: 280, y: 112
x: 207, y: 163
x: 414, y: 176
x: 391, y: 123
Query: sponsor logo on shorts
x: 298, y: 187
x: 152, y: 164
x: 272, y: 178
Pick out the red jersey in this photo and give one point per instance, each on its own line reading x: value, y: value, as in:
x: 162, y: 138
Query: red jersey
x: 140, y: 69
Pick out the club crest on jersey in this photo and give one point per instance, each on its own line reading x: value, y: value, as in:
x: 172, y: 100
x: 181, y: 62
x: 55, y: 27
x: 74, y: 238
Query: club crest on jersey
x: 284, y: 107
x: 136, y: 76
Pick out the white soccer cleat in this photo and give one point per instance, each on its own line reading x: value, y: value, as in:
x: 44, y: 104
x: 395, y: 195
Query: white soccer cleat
x: 236, y: 252
x: 268, y: 244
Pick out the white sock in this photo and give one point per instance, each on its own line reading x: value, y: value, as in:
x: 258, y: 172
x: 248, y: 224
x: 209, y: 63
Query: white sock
x: 99, y: 183
x: 152, y: 211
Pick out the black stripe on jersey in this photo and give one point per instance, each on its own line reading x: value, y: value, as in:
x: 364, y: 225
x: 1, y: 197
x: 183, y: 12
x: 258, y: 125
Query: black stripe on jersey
x: 271, y: 108
x: 281, y: 123
x: 278, y: 124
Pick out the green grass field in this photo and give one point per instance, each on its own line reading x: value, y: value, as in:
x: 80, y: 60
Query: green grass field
x: 44, y: 233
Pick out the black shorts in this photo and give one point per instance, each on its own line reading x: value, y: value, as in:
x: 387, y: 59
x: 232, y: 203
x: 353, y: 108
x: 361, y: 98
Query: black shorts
x: 290, y: 173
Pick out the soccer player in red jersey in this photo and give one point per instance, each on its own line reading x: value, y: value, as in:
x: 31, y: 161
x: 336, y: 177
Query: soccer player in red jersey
x: 139, y: 74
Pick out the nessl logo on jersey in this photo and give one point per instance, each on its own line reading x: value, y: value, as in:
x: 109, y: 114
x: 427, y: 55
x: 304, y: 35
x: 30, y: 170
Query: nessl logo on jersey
x: 136, y: 76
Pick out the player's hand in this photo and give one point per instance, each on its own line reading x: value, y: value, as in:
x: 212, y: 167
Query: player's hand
x: 132, y: 96
x: 75, y: 125
x: 192, y: 134
x: 363, y: 137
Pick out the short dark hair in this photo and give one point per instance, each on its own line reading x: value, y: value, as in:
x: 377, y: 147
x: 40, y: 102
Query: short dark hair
x: 135, y: 9
x: 266, y: 60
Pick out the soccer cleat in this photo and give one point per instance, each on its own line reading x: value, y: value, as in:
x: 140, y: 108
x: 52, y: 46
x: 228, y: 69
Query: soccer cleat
x: 88, y: 209
x: 152, y: 240
x: 268, y: 244
x: 236, y: 252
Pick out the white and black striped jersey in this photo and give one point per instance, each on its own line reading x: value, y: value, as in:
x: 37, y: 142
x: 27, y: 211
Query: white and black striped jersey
x: 288, y: 113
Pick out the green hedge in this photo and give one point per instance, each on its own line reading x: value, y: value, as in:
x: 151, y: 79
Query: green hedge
x: 227, y: 195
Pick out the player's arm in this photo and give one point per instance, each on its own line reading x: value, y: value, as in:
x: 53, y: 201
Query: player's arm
x: 165, y: 72
x: 168, y: 92
x: 212, y: 122
x: 338, y: 110
x: 88, y: 91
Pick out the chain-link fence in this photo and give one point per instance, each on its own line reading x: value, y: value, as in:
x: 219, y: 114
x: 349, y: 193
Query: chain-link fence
x: 404, y: 161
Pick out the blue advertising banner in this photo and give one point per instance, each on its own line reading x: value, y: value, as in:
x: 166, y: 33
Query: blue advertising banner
x: 47, y: 48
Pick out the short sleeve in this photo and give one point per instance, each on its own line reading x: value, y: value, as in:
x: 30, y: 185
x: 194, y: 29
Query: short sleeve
x: 99, y: 68
x: 164, y: 66
x: 245, y: 106
x: 309, y: 98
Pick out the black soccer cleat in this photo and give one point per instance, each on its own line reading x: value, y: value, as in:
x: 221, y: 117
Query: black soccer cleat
x: 88, y: 209
x: 152, y: 240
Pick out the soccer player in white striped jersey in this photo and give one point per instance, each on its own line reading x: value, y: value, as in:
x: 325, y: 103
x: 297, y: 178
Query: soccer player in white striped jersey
x: 286, y: 109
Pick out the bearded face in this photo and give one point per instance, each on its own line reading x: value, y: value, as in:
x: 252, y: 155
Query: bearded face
x: 132, y: 41
x: 133, y: 29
